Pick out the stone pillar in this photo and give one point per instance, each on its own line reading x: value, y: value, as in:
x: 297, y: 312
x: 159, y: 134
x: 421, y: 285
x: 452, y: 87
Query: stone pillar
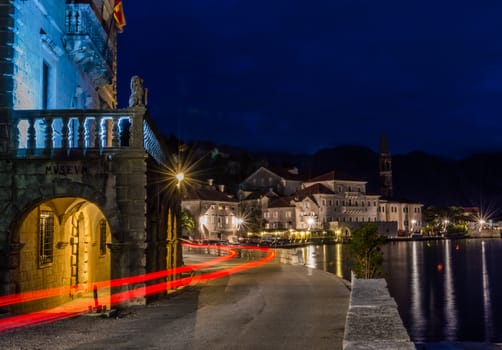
x: 129, y: 232
x: 128, y: 259
x: 6, y: 197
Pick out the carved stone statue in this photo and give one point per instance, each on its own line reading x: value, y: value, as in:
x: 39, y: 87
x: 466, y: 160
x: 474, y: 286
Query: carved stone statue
x: 137, y: 92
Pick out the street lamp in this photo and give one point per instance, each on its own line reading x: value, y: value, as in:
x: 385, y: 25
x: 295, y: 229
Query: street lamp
x: 310, y: 222
x: 446, y: 222
x: 236, y: 222
x: 481, y: 224
x: 180, y: 177
x: 413, y: 223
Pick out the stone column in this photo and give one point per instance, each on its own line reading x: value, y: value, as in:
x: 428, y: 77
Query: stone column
x: 129, y: 239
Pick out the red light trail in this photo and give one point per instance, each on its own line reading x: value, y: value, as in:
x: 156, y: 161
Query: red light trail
x: 78, y: 308
x: 51, y: 292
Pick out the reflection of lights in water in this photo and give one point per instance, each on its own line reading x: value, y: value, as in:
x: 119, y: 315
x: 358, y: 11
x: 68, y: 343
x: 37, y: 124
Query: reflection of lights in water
x: 325, y: 255
x: 339, y: 256
x: 416, y: 295
x: 311, y: 257
x: 450, y: 303
x: 486, y: 295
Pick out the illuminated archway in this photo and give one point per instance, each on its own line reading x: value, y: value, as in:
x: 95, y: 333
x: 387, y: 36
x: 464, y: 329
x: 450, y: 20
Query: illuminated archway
x: 63, y: 246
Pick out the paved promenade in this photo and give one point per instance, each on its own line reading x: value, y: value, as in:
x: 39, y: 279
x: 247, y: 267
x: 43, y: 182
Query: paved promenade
x: 274, y: 306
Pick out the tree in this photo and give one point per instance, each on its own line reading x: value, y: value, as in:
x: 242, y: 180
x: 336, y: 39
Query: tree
x: 187, y: 222
x: 365, y: 249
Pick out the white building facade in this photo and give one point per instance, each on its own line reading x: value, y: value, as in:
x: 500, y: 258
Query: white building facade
x: 334, y: 202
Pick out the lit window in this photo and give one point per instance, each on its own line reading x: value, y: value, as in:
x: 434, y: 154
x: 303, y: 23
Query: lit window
x: 102, y: 237
x: 45, y: 237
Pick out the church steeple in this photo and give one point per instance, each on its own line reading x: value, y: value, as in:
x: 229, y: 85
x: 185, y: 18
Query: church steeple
x: 385, y: 167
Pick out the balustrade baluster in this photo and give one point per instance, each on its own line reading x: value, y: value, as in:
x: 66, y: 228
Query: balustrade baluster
x: 48, y: 135
x: 65, y: 142
x: 115, y: 132
x: 81, y: 130
x: 97, y: 132
x: 31, y: 136
x: 106, y: 133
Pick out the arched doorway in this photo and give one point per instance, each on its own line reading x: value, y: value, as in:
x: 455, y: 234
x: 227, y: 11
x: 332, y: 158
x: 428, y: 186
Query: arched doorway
x: 64, y: 250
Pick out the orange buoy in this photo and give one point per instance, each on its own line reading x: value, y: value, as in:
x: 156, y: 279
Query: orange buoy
x: 440, y: 267
x: 457, y: 247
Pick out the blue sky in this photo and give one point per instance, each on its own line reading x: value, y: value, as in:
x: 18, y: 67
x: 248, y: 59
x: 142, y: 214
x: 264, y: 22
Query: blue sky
x: 298, y: 76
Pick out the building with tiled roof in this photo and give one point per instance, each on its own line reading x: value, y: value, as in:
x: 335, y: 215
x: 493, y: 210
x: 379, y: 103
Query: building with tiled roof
x: 333, y: 201
x: 214, y: 212
x: 282, y: 181
x: 280, y: 214
x: 337, y: 202
x: 407, y: 215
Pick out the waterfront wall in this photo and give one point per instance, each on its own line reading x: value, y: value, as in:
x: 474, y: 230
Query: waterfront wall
x: 373, y: 321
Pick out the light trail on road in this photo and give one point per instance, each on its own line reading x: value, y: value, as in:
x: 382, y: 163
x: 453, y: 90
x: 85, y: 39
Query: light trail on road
x: 79, y: 308
x: 51, y: 292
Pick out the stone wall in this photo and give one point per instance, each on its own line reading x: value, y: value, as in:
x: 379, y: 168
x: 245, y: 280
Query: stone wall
x: 373, y: 321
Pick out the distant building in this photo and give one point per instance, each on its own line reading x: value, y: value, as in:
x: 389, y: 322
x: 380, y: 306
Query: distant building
x: 331, y: 201
x: 282, y: 181
x: 215, y: 212
x: 280, y: 214
x: 408, y: 216
x: 341, y: 200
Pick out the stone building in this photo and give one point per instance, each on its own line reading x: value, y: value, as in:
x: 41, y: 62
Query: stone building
x: 407, y: 215
x: 341, y: 200
x: 335, y: 202
x: 215, y: 212
x: 282, y: 181
x: 84, y: 187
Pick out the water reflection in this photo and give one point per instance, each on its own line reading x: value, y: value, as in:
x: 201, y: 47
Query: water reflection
x: 449, y: 298
x: 447, y: 293
x: 330, y: 258
x: 445, y: 289
x: 416, y: 290
x: 486, y: 295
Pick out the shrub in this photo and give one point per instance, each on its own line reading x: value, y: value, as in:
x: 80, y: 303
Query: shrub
x: 365, y: 250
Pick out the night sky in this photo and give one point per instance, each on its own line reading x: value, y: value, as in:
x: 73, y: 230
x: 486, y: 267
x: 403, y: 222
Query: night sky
x: 299, y: 76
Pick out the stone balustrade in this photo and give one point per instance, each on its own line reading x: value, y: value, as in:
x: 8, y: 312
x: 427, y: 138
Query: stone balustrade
x: 51, y: 133
x: 45, y: 132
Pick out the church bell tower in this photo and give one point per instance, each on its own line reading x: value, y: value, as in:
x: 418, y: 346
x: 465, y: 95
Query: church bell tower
x: 385, y: 168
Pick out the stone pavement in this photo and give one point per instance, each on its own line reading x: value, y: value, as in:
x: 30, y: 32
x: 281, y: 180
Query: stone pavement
x: 274, y: 306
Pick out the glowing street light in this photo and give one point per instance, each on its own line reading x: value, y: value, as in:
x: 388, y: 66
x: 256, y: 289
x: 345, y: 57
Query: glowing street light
x: 237, y: 222
x: 481, y: 224
x: 310, y: 222
x: 445, y: 223
x: 413, y: 223
x: 180, y: 177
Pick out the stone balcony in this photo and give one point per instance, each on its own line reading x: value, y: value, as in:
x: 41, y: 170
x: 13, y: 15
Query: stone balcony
x: 60, y: 133
x: 87, y: 42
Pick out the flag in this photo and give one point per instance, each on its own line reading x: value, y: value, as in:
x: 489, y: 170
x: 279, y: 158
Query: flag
x: 118, y: 15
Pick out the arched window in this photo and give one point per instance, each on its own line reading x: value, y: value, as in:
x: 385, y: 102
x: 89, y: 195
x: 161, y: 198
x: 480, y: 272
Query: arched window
x: 45, y: 237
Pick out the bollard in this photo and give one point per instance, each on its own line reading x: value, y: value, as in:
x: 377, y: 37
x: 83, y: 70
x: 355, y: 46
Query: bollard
x: 95, y: 293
